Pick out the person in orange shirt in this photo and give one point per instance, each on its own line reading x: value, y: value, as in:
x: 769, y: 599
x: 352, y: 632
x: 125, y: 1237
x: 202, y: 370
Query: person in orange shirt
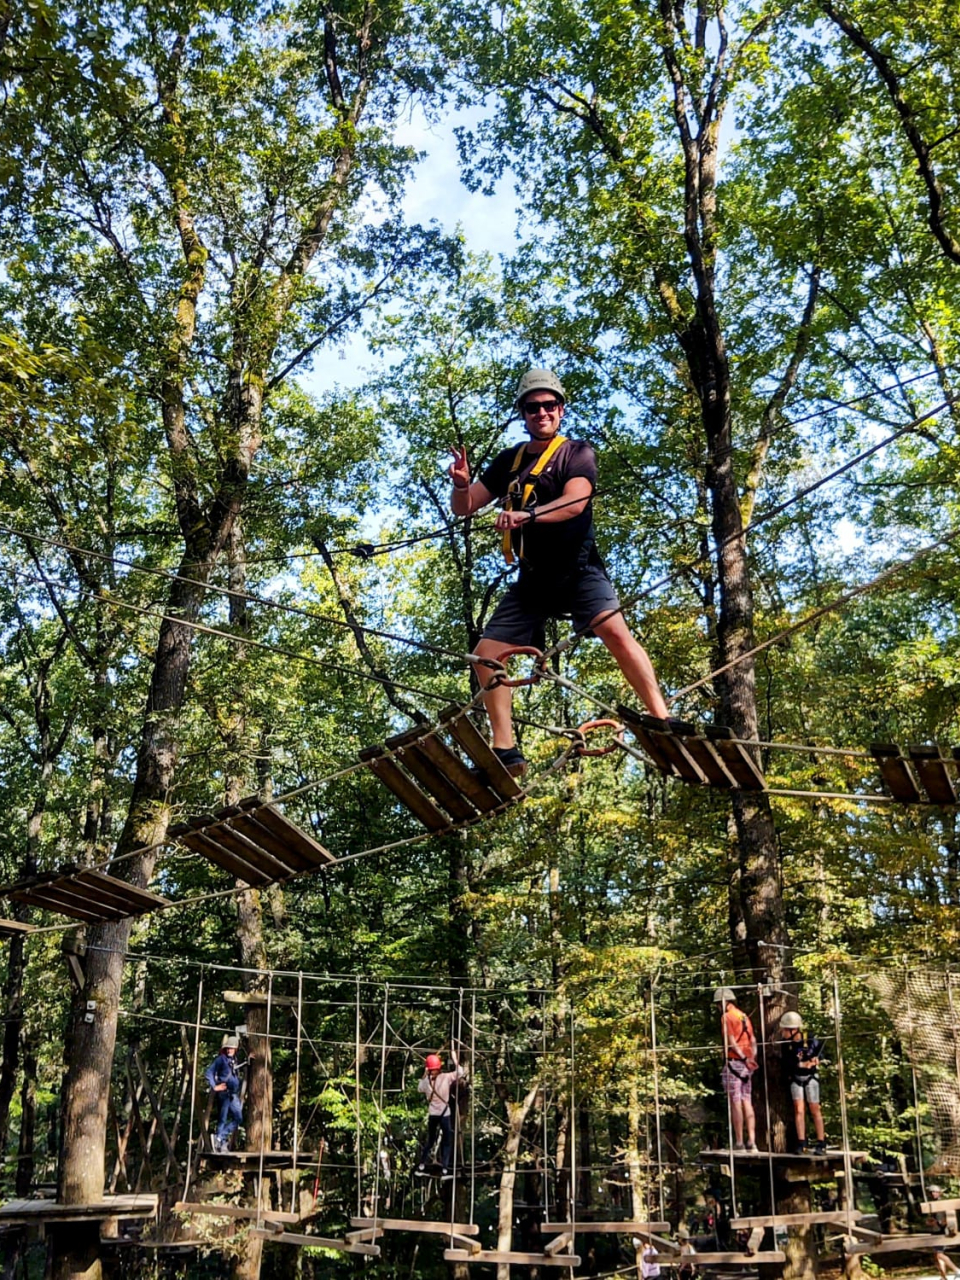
x: 740, y: 1062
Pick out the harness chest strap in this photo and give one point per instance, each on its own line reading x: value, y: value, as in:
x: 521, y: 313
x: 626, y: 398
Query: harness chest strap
x: 513, y: 489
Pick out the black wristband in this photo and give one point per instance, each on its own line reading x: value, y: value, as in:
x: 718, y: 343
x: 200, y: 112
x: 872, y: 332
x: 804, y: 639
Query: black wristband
x: 532, y: 513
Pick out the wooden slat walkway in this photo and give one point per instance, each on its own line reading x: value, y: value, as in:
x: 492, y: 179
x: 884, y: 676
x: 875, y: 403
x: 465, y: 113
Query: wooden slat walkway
x: 85, y: 894
x: 433, y: 771
x: 252, y: 841
x: 30, y: 1211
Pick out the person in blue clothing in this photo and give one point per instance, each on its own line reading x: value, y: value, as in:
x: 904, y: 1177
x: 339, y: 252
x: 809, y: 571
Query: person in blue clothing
x: 802, y: 1056
x: 224, y: 1081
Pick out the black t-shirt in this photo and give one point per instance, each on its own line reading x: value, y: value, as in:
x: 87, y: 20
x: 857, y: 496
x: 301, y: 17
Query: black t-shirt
x: 550, y: 548
x: 799, y: 1057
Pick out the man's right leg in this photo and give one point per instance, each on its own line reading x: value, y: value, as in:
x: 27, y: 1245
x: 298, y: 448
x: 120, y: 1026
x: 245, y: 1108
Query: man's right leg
x: 497, y: 698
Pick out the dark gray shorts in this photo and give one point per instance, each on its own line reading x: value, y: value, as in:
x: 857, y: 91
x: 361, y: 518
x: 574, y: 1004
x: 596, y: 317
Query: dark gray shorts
x: 520, y: 617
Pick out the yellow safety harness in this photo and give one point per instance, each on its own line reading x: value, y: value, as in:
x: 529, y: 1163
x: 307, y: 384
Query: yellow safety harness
x: 516, y: 500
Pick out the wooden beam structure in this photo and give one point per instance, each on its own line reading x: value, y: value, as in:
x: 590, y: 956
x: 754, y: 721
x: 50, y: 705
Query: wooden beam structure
x: 214, y: 1210
x: 302, y: 1241
x: 834, y: 1217
x: 446, y: 775
x: 604, y: 1228
x: 253, y: 842
x: 508, y: 1256
x: 83, y: 893
x: 421, y: 1225
x: 906, y: 1244
x: 27, y: 1212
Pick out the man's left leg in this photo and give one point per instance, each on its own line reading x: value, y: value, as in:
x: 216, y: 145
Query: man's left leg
x: 632, y: 660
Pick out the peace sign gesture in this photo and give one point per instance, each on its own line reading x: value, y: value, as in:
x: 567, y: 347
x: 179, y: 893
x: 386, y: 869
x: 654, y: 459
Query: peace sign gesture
x: 459, y: 470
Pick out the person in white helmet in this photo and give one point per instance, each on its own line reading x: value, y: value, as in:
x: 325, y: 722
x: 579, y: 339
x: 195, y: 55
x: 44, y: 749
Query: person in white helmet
x: 802, y: 1056
x: 224, y: 1081
x: 547, y: 523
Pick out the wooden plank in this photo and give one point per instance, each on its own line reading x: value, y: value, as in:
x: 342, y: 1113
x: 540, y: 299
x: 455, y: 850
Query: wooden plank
x: 737, y: 760
x: 932, y: 771
x: 895, y: 772
x: 604, y: 1228
x: 837, y: 1217
x: 560, y: 1243
x: 261, y: 998
x: 102, y: 886
x: 633, y: 719
x: 452, y: 767
x: 906, y: 1244
x: 706, y: 757
x: 940, y: 1206
x: 735, y: 1259
x: 246, y: 824
x: 314, y: 1242
x: 312, y: 853
x: 233, y: 1211
x: 864, y: 1233
x: 251, y: 853
x: 417, y: 763
x: 522, y: 1259
x: 65, y: 904
x: 405, y: 789
x: 126, y: 1206
x: 223, y: 857
x: 14, y: 928
x: 662, y: 1244
x: 465, y: 1242
x: 417, y: 1224
x: 673, y: 748
x: 466, y: 734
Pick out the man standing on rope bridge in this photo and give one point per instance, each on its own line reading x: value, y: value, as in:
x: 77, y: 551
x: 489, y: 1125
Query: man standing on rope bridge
x: 740, y: 1062
x: 547, y: 525
x: 222, y: 1077
x: 801, y: 1059
x: 438, y: 1085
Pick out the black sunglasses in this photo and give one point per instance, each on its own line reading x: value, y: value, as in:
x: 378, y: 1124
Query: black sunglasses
x: 548, y: 406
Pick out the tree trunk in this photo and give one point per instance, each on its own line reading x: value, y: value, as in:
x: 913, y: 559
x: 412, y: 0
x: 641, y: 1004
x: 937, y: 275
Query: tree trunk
x: 517, y: 1113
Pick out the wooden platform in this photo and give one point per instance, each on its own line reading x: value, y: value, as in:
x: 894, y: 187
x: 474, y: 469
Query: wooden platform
x: 252, y: 841
x: 906, y: 1244
x: 429, y: 771
x: 214, y: 1210
x: 679, y: 751
x: 85, y: 894
x: 834, y: 1217
x: 521, y: 1259
x: 603, y: 1228
x: 734, y: 1259
x: 14, y: 928
x: 25, y: 1212
x: 415, y: 1225
x: 271, y: 1159
x: 299, y: 1240
x: 926, y: 775
x: 831, y: 1156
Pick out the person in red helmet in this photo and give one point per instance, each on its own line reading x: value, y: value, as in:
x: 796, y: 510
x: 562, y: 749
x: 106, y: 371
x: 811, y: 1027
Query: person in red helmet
x: 437, y: 1084
x: 547, y: 487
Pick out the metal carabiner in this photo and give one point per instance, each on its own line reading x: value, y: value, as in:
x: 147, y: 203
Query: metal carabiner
x: 600, y: 724
x: 521, y: 648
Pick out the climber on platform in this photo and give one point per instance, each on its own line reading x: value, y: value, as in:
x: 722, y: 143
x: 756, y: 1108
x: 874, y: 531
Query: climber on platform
x: 547, y: 524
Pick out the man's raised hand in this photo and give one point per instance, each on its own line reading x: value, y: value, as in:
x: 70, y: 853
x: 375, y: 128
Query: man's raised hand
x: 459, y: 470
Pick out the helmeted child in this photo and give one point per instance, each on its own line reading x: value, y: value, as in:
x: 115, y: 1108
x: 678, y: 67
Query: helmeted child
x: 438, y: 1084
x: 801, y: 1057
x: 224, y: 1081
